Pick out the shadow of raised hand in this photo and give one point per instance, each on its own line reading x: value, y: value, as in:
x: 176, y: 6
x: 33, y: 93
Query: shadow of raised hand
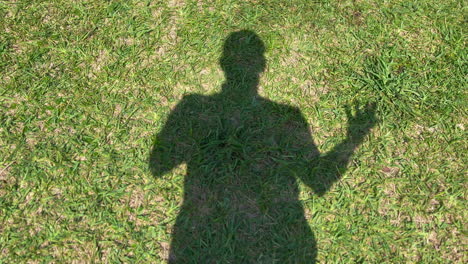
x: 360, y: 123
x: 329, y: 167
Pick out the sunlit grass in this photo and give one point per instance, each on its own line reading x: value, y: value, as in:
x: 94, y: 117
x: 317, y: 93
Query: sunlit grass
x: 86, y: 85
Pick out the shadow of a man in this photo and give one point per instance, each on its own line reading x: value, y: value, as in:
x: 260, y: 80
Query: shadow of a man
x: 244, y: 154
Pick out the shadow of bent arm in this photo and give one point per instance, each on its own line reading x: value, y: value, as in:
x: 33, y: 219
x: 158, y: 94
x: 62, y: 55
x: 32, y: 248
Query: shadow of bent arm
x: 328, y: 168
x: 168, y: 147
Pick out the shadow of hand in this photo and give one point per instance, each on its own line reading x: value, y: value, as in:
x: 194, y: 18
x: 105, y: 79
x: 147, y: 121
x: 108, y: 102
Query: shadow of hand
x: 361, y: 122
x: 331, y: 166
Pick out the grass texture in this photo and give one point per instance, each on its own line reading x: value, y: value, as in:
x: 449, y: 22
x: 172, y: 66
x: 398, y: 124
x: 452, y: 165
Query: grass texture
x: 86, y: 86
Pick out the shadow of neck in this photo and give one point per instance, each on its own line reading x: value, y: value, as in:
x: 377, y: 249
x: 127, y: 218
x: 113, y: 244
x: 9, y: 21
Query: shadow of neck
x: 240, y: 90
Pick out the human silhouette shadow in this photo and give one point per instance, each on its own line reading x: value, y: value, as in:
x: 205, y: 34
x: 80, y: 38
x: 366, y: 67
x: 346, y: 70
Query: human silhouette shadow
x: 244, y: 154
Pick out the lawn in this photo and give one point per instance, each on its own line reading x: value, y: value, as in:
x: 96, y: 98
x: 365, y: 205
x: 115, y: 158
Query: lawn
x: 86, y: 87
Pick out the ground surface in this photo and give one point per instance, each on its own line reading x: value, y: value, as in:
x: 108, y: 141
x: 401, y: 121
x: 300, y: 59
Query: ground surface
x: 85, y: 86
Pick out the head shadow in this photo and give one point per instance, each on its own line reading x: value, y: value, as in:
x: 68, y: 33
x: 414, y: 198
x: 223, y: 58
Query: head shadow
x: 243, y: 61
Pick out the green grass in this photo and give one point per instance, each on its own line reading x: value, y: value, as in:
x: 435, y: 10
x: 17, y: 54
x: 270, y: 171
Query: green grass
x: 87, y: 85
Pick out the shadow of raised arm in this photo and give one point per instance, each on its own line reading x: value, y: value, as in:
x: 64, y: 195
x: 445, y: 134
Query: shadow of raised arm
x: 329, y: 167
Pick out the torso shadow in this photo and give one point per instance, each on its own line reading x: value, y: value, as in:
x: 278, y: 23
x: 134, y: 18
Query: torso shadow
x: 240, y: 193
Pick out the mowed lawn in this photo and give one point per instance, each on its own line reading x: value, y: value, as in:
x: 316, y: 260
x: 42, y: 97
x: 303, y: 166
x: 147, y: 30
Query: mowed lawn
x: 85, y: 86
